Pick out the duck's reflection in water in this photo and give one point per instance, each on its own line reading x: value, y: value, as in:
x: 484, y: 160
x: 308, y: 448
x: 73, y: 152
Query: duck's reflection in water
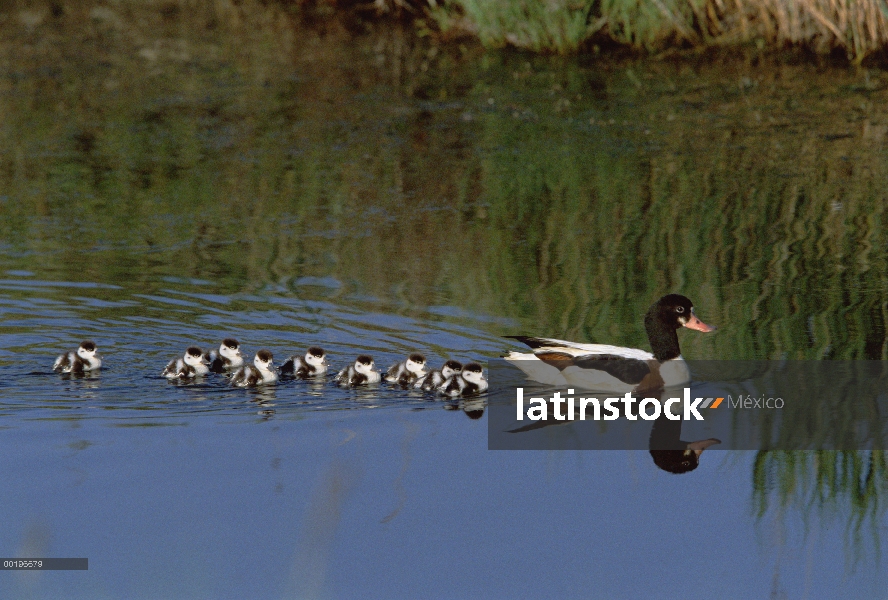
x: 668, y: 450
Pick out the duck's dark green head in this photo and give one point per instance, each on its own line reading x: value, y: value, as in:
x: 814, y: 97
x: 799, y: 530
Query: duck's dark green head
x: 664, y: 317
x: 675, y: 311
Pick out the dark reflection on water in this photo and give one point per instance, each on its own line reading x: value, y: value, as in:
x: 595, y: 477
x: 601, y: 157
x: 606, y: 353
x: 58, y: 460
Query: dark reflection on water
x: 174, y: 175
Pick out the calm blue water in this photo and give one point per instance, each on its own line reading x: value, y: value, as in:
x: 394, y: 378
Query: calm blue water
x: 305, y: 490
x: 393, y: 502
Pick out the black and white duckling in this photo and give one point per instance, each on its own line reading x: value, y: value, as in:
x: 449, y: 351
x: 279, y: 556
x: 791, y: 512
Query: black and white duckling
x: 261, y: 371
x: 314, y: 363
x: 612, y: 368
x: 228, y: 357
x: 360, y: 373
x: 469, y: 382
x: 407, y: 371
x: 434, y: 379
x: 85, y: 358
x: 192, y: 364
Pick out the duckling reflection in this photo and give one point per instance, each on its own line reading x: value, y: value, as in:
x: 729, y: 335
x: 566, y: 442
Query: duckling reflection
x: 87, y: 382
x: 672, y: 454
x: 472, y: 407
x: 86, y: 376
x: 264, y: 395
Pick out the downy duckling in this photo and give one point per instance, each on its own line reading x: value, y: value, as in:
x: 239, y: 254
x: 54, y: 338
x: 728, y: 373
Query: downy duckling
x: 434, y: 379
x: 228, y: 357
x: 85, y: 358
x: 406, y: 372
x: 314, y: 363
x: 360, y: 373
x: 262, y: 371
x: 468, y: 383
x: 192, y: 364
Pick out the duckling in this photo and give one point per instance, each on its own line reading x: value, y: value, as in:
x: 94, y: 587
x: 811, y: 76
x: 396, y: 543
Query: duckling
x: 228, y: 357
x: 262, y: 372
x: 192, y: 364
x: 467, y: 383
x: 85, y: 358
x: 314, y: 363
x: 406, y: 372
x: 360, y: 373
x: 435, y: 378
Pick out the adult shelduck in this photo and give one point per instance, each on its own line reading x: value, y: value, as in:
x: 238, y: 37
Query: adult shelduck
x: 612, y: 368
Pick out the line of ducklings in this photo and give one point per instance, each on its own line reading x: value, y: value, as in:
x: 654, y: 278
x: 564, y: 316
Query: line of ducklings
x: 452, y: 379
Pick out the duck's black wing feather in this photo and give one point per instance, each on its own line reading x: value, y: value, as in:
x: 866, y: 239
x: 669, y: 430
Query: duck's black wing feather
x: 533, y: 342
x: 627, y: 370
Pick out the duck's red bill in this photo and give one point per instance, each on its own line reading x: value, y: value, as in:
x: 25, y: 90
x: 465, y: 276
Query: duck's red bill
x: 697, y: 324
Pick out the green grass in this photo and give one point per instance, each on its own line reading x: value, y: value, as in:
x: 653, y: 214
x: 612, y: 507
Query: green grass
x: 856, y: 27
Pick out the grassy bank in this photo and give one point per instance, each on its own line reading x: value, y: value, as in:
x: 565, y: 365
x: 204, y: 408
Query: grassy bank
x: 855, y: 28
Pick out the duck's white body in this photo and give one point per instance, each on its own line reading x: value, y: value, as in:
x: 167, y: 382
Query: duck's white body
x: 673, y: 372
x: 542, y: 372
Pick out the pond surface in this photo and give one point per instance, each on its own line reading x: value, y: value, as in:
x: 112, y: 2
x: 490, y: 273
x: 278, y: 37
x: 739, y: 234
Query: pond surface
x: 172, y: 177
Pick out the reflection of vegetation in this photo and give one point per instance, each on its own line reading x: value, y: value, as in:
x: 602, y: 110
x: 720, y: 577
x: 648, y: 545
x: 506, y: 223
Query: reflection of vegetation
x: 832, y: 404
x: 826, y: 482
x: 567, y: 198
